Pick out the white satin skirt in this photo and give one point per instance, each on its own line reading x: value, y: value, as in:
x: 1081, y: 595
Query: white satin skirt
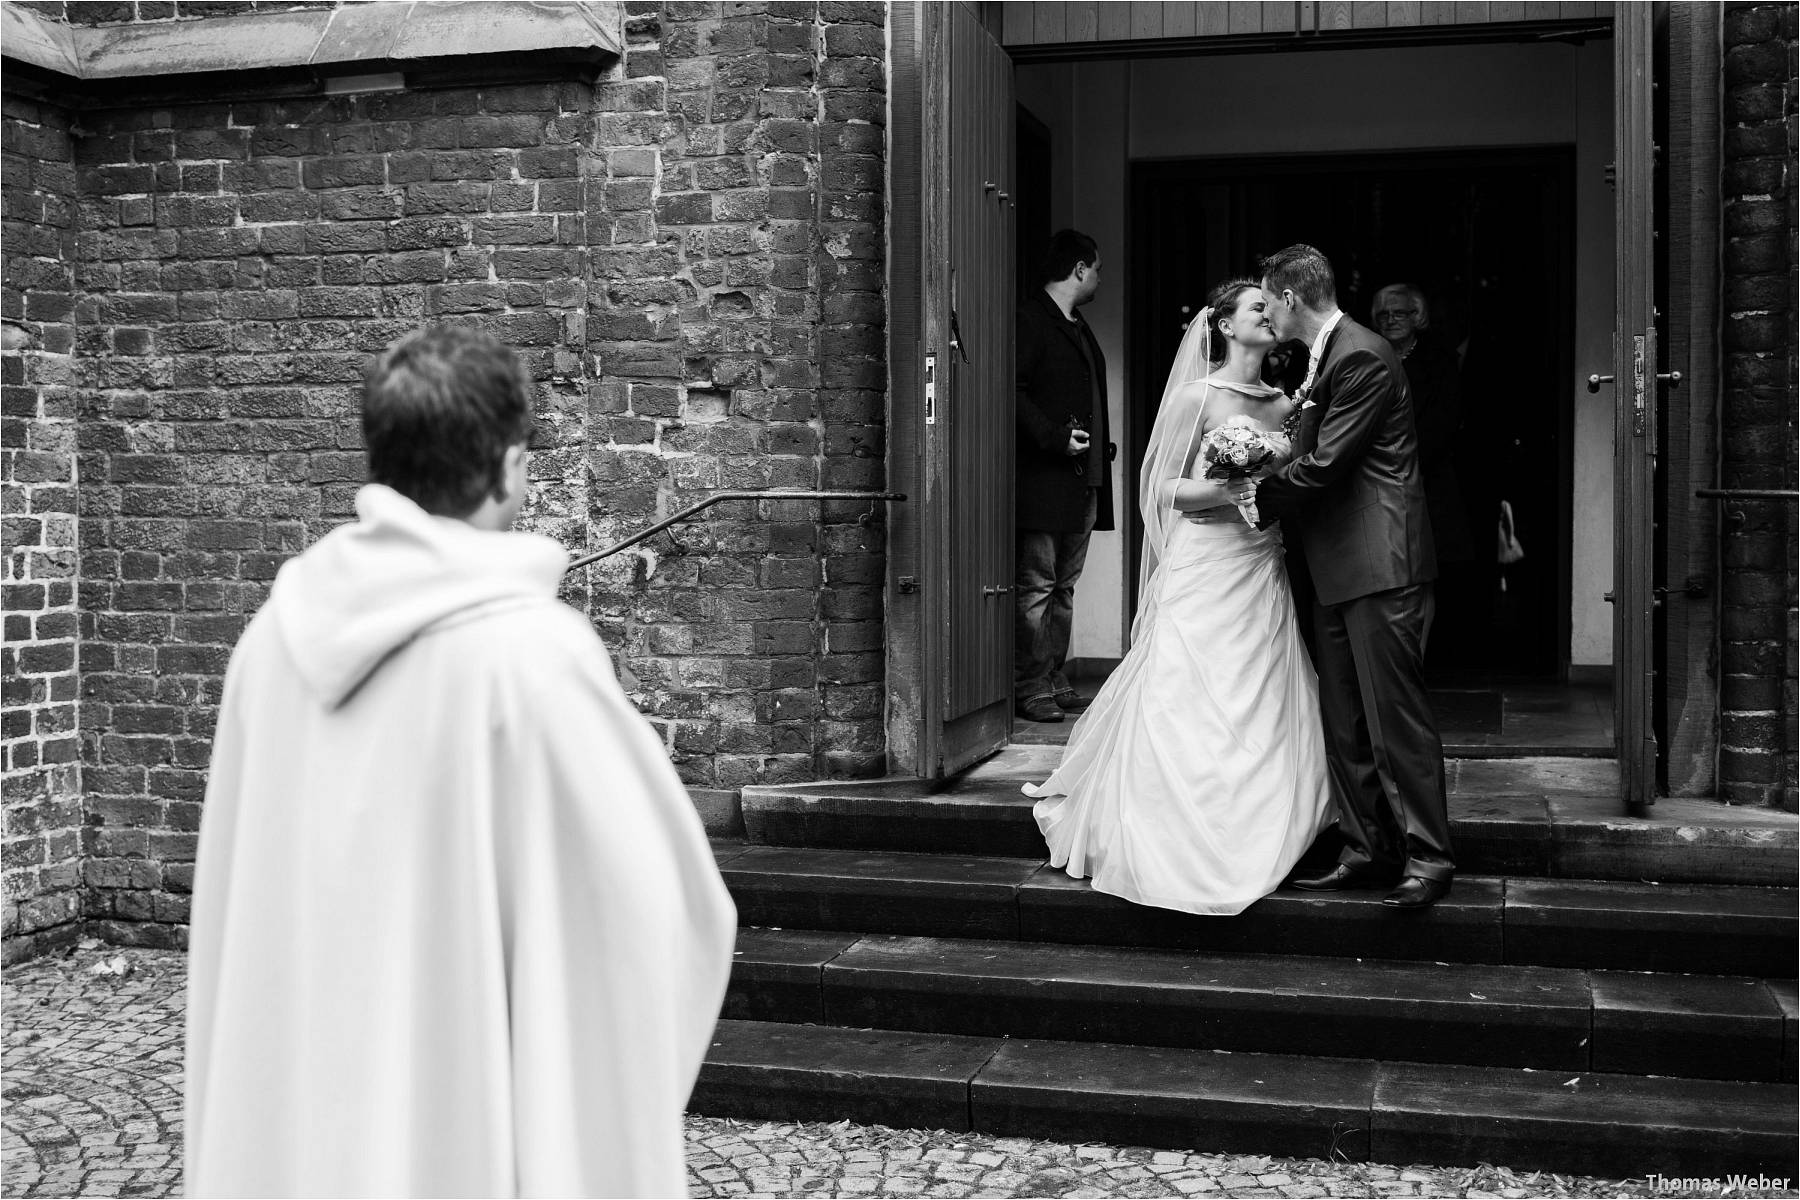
x: 1197, y: 778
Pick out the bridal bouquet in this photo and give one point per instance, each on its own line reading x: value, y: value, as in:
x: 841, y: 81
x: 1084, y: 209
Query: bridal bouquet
x: 1235, y: 450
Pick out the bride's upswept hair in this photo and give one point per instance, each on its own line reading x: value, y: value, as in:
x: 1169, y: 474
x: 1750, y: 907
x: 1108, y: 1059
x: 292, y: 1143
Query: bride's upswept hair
x: 1223, y: 301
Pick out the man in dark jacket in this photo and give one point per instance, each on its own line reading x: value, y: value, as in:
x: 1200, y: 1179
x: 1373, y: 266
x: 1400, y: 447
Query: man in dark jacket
x: 1064, y: 480
x: 1354, y: 497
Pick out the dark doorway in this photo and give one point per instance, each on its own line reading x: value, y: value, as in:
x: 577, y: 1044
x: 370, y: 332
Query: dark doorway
x: 1032, y: 228
x: 1489, y: 237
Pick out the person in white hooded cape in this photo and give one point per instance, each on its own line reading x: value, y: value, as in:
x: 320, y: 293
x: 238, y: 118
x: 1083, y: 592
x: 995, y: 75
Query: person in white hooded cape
x: 457, y: 930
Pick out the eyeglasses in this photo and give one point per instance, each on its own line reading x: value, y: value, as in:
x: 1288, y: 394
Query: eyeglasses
x: 1398, y: 314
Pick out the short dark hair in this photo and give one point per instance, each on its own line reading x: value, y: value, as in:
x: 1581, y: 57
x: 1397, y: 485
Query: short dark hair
x: 441, y: 406
x: 1302, y: 270
x: 1223, y: 301
x: 1067, y: 247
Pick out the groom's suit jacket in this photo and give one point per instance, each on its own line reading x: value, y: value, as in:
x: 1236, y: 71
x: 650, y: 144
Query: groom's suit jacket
x: 1353, y: 490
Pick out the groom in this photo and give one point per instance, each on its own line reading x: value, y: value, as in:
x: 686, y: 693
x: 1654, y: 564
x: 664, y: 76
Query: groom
x: 1354, y: 494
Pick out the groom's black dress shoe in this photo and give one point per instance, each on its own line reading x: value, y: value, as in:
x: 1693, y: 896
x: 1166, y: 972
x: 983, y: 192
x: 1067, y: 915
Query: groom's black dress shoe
x: 1417, y: 892
x: 1341, y: 878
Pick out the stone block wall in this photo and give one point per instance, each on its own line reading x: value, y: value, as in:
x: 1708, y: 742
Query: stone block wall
x: 238, y: 265
x: 736, y: 323
x: 42, y: 851
x: 688, y: 253
x: 1757, y: 416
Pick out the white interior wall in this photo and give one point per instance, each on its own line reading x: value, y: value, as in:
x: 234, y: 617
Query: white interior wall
x: 1104, y: 91
x: 1435, y: 97
x: 1591, y: 632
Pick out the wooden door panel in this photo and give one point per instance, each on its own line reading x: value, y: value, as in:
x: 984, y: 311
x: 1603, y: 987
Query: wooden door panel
x: 979, y: 441
x: 950, y: 649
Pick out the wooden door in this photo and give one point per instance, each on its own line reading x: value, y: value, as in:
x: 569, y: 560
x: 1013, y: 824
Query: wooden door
x: 974, y: 441
x: 951, y: 435
x: 1635, y: 384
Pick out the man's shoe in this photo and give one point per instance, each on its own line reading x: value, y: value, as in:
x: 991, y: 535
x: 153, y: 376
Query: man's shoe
x: 1040, y: 708
x: 1340, y: 878
x: 1415, y: 891
x: 1072, y: 702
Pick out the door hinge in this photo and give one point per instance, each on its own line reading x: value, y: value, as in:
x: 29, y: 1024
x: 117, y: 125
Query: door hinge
x: 907, y: 584
x: 931, y: 389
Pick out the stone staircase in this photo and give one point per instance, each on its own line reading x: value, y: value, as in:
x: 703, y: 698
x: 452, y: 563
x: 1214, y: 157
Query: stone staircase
x: 1597, y: 994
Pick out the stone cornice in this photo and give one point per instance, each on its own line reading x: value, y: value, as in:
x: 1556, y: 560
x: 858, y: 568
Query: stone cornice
x: 395, y: 36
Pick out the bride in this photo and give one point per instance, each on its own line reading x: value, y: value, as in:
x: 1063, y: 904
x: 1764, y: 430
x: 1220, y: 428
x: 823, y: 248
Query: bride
x: 1197, y: 778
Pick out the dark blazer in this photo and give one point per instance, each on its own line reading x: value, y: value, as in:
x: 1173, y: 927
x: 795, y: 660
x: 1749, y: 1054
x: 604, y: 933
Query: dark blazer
x: 1435, y: 380
x: 1354, y: 491
x: 1054, y: 385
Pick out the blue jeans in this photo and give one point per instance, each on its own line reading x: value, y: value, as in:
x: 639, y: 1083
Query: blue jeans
x: 1049, y: 563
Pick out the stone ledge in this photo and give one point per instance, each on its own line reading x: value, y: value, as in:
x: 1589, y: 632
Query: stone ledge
x: 368, y: 37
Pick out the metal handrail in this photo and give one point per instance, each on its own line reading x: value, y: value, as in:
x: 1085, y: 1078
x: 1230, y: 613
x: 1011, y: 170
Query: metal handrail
x: 717, y: 498
x: 1747, y: 494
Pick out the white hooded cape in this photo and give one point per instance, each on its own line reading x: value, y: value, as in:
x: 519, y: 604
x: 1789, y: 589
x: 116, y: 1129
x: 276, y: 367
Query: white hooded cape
x: 456, y: 927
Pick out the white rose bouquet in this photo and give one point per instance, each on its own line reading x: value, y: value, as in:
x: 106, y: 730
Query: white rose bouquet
x: 1236, y: 450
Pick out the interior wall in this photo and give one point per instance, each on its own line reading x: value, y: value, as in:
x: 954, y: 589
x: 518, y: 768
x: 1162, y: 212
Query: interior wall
x: 1591, y: 631
x: 1433, y: 97
x: 1099, y: 207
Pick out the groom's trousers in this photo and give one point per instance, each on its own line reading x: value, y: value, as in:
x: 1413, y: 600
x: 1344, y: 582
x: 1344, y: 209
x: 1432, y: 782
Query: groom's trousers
x: 1381, y: 738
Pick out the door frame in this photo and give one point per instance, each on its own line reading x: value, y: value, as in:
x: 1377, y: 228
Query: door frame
x: 910, y: 616
x: 1636, y: 401
x: 914, y: 624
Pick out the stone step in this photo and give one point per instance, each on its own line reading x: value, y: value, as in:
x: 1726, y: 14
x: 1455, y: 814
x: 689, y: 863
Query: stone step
x: 1521, y: 817
x: 1396, y: 1112
x: 1690, y: 928
x: 1546, y: 1018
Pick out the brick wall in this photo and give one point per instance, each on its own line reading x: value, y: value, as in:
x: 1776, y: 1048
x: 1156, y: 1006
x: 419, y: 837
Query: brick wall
x: 736, y: 323
x: 38, y: 662
x: 689, y: 254
x: 1757, y: 417
x: 238, y: 265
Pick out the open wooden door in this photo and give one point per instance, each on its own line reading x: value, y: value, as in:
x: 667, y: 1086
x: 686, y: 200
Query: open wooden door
x: 1635, y: 381
x: 951, y: 416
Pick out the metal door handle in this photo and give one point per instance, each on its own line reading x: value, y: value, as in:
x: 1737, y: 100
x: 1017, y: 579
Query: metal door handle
x: 1672, y: 378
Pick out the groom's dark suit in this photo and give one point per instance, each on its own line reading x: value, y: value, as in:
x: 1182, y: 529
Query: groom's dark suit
x: 1355, y: 497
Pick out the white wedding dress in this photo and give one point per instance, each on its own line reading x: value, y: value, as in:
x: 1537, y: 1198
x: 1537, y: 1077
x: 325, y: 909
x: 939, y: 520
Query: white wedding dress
x: 1196, y: 779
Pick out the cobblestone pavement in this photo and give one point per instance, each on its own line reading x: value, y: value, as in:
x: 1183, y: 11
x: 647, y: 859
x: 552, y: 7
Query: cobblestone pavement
x: 92, y: 1091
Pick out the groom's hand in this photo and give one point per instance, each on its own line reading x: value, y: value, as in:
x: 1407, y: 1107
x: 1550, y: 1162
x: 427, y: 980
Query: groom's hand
x: 1265, y: 517
x: 1078, y: 442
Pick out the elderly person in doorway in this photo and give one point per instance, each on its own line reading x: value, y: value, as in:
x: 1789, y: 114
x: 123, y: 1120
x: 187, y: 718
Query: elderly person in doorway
x: 1401, y: 315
